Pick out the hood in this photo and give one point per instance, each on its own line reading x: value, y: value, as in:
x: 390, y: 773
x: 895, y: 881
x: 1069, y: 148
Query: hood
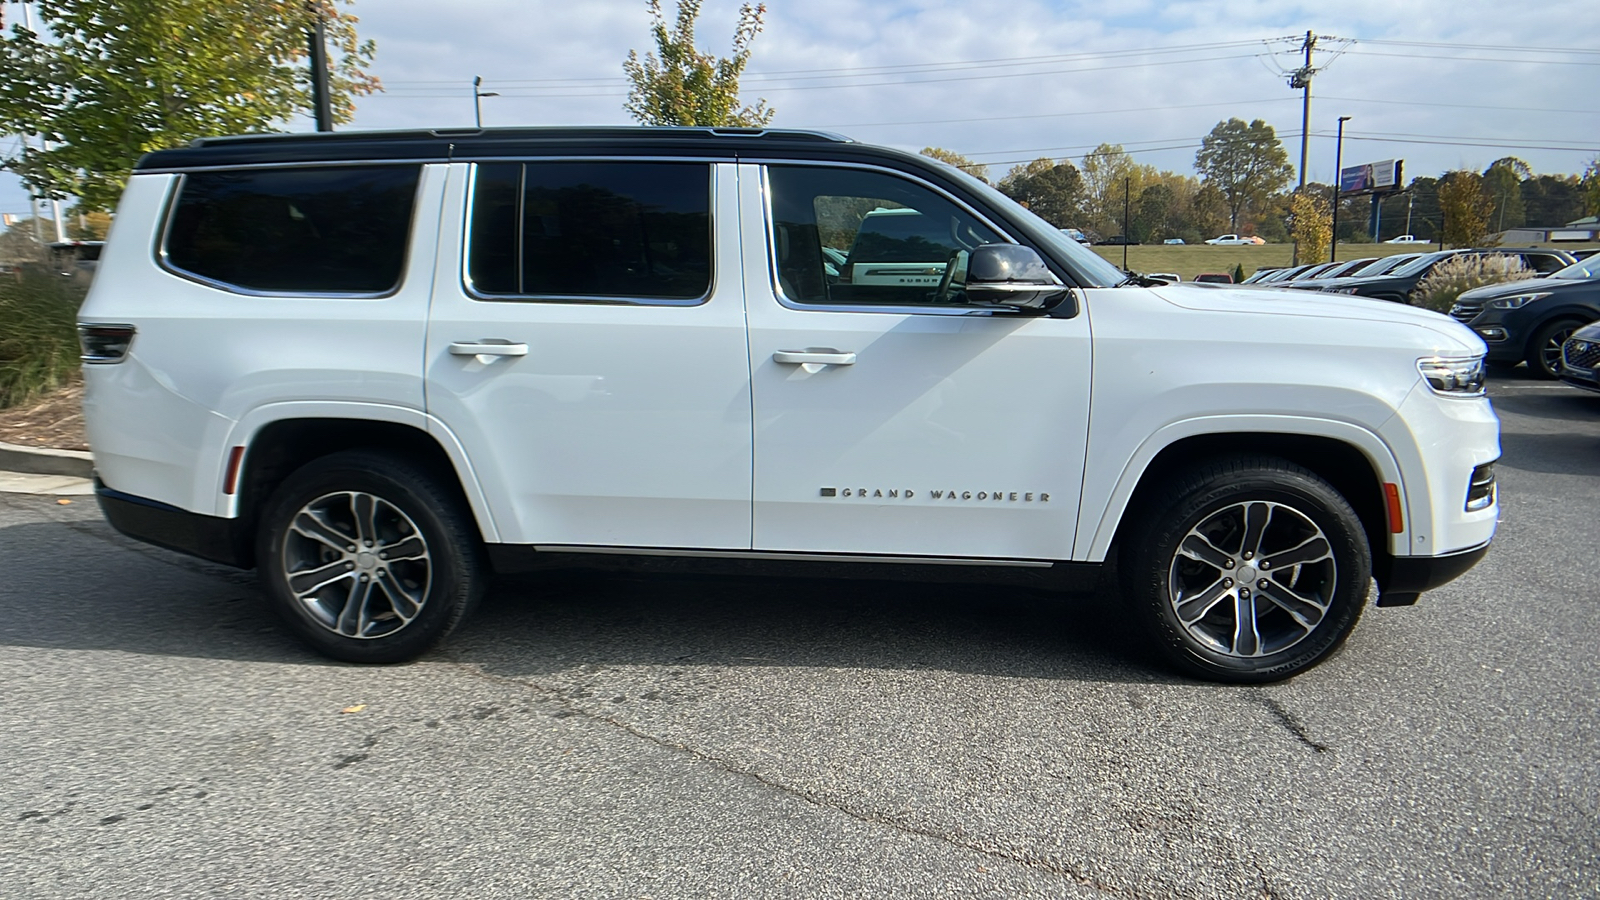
x: 1525, y: 286
x: 1590, y: 332
x: 1451, y: 335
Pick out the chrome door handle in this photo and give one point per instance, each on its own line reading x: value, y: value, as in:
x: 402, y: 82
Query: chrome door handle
x: 815, y: 356
x: 488, y: 348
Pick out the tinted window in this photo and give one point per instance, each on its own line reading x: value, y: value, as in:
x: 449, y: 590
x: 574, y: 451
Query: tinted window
x: 339, y: 229
x: 592, y: 229
x: 848, y: 236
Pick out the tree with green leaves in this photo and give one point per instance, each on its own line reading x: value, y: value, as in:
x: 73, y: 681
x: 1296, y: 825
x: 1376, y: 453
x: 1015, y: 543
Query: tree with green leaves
x: 1503, y: 181
x: 679, y: 85
x: 1052, y: 190
x: 975, y: 169
x: 1466, y: 208
x: 106, y: 81
x: 1247, y: 163
x: 1591, y: 188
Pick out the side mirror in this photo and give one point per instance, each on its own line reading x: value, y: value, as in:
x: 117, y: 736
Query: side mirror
x: 1011, y: 276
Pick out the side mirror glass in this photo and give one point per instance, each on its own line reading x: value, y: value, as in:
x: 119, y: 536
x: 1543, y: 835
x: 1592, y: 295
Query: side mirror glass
x: 1011, y: 276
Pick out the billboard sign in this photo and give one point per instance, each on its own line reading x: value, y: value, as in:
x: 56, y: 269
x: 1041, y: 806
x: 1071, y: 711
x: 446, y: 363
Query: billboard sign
x: 1380, y: 177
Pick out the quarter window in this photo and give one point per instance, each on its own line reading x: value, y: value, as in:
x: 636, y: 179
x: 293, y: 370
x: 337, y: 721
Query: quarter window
x: 847, y: 236
x: 336, y: 229
x: 623, y: 230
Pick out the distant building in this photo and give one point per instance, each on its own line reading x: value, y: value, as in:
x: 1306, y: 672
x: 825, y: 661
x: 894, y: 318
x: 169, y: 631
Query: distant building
x: 1582, y: 230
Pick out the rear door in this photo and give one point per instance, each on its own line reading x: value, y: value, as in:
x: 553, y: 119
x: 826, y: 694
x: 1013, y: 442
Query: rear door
x: 586, y: 347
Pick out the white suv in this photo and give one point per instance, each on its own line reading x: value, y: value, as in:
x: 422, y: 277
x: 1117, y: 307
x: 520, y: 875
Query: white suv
x: 379, y: 366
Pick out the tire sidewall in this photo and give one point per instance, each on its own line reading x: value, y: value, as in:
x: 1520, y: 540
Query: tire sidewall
x: 1310, y: 497
x: 452, y: 588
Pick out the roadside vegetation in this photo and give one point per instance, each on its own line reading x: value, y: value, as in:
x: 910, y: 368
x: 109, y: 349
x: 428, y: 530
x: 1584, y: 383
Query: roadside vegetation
x: 1453, y: 277
x: 38, y: 334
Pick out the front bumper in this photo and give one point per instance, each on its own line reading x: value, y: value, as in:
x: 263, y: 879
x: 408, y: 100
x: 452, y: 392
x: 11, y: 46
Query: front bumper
x: 1402, y: 578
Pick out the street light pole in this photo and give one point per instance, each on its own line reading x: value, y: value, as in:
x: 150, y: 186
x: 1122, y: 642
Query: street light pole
x: 1338, y: 160
x: 477, y: 100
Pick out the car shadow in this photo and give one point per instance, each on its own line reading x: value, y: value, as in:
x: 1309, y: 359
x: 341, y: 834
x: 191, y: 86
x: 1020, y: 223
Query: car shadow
x: 81, y: 586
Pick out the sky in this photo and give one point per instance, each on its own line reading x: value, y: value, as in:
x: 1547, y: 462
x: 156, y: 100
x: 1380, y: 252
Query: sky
x: 1441, y: 84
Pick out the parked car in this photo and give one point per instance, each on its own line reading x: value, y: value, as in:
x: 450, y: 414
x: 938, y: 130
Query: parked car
x: 1407, y: 239
x: 1173, y: 241
x: 1076, y: 235
x: 378, y: 367
x: 1169, y: 277
x: 1530, y: 320
x: 1580, y: 358
x: 1118, y: 240
x: 1235, y: 240
x: 1260, y: 274
x: 1278, y: 275
x: 1376, y: 267
x: 1214, y: 278
x: 1397, y: 284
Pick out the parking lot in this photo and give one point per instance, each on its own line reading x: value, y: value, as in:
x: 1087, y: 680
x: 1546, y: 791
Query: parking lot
x: 590, y: 735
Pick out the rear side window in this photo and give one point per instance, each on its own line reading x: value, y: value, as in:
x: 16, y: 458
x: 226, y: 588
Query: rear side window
x: 605, y: 230
x: 334, y: 229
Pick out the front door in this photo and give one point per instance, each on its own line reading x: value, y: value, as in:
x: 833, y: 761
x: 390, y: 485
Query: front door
x: 891, y: 418
x: 587, y: 349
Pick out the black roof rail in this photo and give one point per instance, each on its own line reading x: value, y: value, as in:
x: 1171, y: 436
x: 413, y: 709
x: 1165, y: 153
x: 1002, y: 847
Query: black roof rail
x: 558, y: 132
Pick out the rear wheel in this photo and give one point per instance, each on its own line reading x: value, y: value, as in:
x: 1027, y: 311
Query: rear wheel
x: 1255, y: 570
x: 1544, y: 351
x: 368, y: 557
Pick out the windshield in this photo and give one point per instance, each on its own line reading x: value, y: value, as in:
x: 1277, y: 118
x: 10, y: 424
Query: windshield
x: 1087, y: 263
x: 1582, y: 270
x: 1385, y: 264
x: 1420, y: 263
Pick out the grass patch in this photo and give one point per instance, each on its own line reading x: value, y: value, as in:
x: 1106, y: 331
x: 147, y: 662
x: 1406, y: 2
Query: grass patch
x: 38, y: 335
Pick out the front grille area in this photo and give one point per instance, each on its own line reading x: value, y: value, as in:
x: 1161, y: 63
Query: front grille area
x: 1581, y: 354
x: 1465, y: 312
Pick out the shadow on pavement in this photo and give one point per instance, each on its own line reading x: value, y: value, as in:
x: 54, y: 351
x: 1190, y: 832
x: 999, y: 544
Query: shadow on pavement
x: 80, y: 586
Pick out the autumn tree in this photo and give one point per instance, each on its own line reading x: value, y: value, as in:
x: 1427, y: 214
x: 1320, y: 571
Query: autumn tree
x: 1591, y: 188
x: 1466, y: 208
x: 679, y: 85
x: 1310, y: 224
x: 1246, y: 163
x: 1052, y: 190
x: 106, y: 81
x: 975, y: 169
x: 1111, y: 177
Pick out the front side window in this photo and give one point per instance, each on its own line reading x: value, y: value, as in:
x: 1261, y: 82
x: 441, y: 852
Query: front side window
x: 849, y: 236
x: 319, y: 230
x: 607, y: 230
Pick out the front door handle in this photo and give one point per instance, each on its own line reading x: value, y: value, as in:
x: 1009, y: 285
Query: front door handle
x: 487, y: 349
x: 812, y: 359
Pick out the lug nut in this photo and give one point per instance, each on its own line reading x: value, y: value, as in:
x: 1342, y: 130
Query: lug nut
x: 1264, y: 565
x: 1248, y: 554
x: 348, y: 566
x: 1228, y: 564
x: 1227, y: 582
x: 1262, y: 583
x: 383, y: 556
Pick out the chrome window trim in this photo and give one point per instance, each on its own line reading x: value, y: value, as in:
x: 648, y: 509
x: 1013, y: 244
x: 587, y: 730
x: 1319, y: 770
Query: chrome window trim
x: 896, y: 309
x: 473, y: 293
x: 175, y: 193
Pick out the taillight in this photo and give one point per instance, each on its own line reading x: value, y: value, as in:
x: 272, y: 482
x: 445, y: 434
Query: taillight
x: 105, y: 343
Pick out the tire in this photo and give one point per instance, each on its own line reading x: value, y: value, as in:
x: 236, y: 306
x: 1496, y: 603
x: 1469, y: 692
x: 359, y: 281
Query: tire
x: 1544, y: 350
x: 328, y: 553
x: 1228, y: 518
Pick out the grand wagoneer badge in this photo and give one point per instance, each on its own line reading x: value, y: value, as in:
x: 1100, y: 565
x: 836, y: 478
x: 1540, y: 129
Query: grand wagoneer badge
x: 899, y: 494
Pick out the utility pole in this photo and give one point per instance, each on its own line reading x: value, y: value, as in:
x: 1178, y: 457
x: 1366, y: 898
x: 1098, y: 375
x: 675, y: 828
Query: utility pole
x: 317, y: 36
x: 1301, y: 78
x: 1127, y: 185
x: 38, y: 227
x: 1338, y: 161
x: 478, y: 93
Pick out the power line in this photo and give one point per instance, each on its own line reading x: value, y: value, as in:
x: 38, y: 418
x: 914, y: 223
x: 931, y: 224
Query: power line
x: 1455, y: 58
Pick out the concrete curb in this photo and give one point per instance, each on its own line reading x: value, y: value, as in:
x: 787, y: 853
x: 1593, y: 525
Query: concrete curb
x: 40, y: 461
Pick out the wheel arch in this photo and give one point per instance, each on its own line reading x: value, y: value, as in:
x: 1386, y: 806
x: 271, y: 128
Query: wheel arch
x: 1355, y: 461
x: 277, y: 441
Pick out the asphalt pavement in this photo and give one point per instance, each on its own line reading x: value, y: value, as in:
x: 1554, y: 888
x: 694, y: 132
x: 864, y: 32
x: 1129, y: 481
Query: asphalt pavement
x: 608, y: 735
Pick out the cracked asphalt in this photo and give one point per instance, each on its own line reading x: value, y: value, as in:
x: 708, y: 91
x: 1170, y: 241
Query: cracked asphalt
x: 632, y: 736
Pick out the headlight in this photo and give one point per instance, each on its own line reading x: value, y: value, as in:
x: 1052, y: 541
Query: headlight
x: 1456, y: 377
x: 1517, y: 302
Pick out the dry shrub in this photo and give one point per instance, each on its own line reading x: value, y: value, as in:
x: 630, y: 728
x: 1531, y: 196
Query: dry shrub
x: 1451, y: 278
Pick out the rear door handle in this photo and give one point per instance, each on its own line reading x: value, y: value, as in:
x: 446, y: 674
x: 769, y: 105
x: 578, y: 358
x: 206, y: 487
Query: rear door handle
x: 812, y: 359
x: 488, y: 348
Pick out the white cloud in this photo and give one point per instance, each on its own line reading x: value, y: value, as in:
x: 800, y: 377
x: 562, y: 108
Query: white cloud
x: 560, y: 63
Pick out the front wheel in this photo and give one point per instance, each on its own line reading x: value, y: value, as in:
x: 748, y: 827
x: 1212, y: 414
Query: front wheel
x: 1255, y: 570
x: 368, y: 557
x: 1544, y: 351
